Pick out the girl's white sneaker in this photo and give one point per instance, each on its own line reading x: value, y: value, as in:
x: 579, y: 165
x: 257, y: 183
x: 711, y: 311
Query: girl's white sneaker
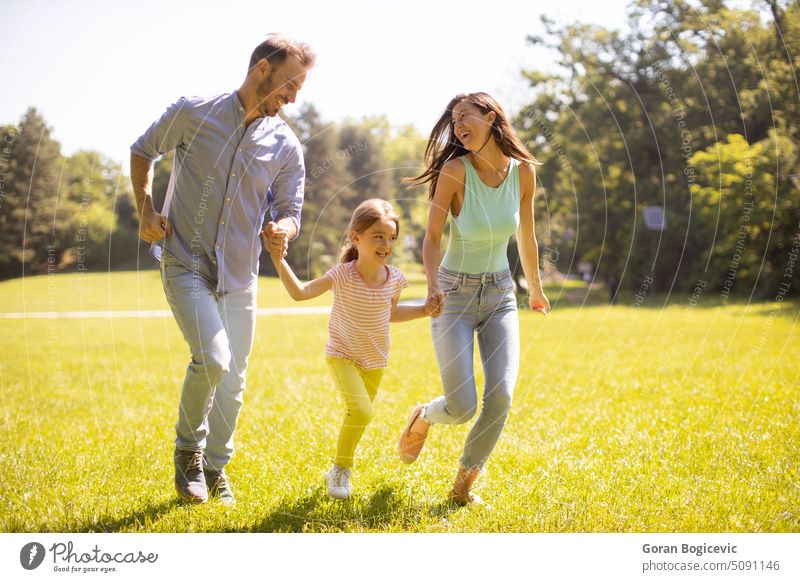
x: 338, y: 481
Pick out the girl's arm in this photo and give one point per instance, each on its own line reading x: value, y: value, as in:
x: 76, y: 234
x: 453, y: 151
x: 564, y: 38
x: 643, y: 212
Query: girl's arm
x: 526, y: 240
x: 275, y: 237
x: 298, y: 290
x: 402, y: 313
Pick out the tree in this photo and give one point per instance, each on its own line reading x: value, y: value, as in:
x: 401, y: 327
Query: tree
x: 57, y: 212
x: 30, y: 215
x: 624, y: 125
x: 737, y: 187
x: 325, y: 213
x: 404, y: 152
x: 89, y: 186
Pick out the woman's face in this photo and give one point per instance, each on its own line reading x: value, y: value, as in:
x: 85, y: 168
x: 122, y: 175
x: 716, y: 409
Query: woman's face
x: 470, y: 126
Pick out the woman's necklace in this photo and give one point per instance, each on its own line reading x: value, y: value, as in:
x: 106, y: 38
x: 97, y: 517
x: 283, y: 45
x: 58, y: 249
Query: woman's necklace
x: 499, y: 172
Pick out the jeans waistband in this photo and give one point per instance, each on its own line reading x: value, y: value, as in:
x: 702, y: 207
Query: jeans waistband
x: 480, y: 278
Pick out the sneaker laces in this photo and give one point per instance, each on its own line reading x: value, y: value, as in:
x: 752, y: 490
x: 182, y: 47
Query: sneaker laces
x: 195, y: 461
x: 221, y: 483
x: 340, y: 476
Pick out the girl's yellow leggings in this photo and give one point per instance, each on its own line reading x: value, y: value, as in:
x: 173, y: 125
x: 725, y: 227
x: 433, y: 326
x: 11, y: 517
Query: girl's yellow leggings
x: 359, y: 387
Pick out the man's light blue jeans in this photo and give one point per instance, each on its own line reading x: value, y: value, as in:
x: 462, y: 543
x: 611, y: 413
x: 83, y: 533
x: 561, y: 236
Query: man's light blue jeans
x: 219, y: 329
x: 484, y: 305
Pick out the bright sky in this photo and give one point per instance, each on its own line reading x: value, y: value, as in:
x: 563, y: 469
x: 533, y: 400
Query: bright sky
x: 100, y: 72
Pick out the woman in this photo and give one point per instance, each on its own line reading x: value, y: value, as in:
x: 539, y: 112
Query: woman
x: 483, y: 176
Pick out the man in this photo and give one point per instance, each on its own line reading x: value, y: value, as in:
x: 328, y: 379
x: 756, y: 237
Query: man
x: 235, y: 159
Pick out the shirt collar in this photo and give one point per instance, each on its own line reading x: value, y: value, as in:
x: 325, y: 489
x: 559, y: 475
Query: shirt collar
x: 239, y: 107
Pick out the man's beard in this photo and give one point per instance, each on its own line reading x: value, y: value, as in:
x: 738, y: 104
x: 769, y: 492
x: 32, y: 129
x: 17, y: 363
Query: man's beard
x: 264, y: 92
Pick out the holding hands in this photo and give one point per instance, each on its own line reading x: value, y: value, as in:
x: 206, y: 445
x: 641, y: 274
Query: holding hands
x: 435, y: 302
x: 276, y: 241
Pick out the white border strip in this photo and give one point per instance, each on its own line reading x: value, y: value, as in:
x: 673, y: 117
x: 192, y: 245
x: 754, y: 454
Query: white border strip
x: 407, y: 557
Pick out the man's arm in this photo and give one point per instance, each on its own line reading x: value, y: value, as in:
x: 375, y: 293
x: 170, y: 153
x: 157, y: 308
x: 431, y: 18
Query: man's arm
x: 162, y: 136
x: 152, y: 225
x: 288, y: 190
x: 289, y: 226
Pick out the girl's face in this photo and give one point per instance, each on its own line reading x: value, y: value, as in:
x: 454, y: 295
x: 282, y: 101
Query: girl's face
x: 470, y: 126
x: 375, y: 244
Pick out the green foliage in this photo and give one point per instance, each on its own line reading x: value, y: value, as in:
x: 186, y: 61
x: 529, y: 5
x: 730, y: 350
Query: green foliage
x: 327, y: 196
x: 58, y: 213
x: 348, y: 163
x: 633, y: 114
x: 739, y: 201
x: 31, y: 218
x: 404, y: 152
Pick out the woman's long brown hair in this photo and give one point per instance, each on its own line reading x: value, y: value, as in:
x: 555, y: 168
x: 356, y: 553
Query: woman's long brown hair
x: 443, y: 145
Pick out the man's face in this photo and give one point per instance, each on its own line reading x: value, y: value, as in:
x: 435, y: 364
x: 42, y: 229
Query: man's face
x: 281, y: 86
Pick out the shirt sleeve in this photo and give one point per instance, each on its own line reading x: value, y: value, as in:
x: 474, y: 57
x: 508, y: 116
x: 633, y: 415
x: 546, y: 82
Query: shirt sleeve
x: 289, y: 187
x: 401, y: 283
x: 337, y: 273
x: 165, y: 134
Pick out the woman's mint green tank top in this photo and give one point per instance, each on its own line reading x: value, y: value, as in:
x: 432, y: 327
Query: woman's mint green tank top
x: 489, y: 216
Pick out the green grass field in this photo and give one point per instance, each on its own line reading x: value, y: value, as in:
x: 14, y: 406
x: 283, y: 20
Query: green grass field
x: 625, y: 420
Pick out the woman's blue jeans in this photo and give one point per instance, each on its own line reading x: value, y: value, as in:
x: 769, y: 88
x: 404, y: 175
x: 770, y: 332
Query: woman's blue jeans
x: 484, y: 305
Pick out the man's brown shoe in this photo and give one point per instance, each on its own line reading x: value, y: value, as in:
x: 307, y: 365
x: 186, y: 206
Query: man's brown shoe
x: 190, y: 482
x: 219, y: 486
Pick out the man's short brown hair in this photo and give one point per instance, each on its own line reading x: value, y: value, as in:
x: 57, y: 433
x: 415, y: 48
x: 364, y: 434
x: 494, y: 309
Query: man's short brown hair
x: 277, y: 47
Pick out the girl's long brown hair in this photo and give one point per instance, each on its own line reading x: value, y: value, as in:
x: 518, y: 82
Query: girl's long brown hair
x: 443, y: 145
x: 366, y: 214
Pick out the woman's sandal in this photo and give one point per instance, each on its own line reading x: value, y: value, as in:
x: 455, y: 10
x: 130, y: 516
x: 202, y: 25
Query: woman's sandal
x: 410, y: 444
x: 461, y: 493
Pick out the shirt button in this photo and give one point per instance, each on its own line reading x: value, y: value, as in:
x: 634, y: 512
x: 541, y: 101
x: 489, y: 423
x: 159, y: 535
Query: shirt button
x: 233, y: 174
x: 240, y: 149
x: 222, y: 222
x: 228, y: 199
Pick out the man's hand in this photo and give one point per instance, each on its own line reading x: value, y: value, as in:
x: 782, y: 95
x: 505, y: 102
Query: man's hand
x: 276, y: 241
x: 153, y: 226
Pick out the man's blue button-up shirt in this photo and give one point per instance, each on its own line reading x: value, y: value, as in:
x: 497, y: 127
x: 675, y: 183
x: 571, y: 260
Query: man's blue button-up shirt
x: 225, y: 177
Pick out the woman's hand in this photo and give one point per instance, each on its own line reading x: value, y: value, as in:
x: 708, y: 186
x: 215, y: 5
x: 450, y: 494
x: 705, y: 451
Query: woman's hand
x: 538, y: 301
x: 435, y: 302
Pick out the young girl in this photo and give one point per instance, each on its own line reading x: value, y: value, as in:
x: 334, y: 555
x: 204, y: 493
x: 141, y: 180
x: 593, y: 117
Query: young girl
x: 365, y: 296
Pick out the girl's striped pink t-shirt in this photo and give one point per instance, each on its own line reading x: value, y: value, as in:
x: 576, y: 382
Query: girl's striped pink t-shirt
x: 358, y: 329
